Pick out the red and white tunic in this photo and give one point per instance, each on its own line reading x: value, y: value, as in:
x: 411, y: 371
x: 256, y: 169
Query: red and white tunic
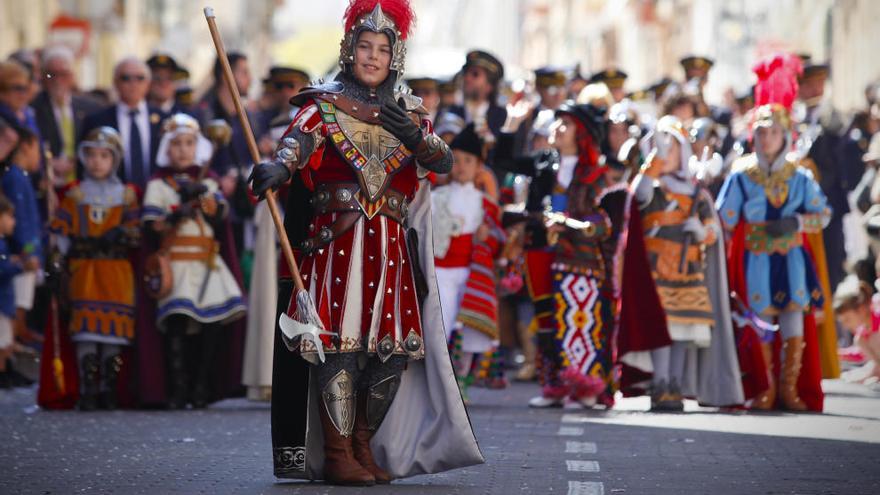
x: 362, y: 282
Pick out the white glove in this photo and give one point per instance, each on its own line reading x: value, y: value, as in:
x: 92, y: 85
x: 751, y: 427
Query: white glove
x: 694, y: 226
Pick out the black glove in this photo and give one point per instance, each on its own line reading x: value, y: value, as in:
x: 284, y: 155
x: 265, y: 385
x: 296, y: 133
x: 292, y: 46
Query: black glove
x: 396, y: 121
x: 268, y: 175
x: 113, y: 237
x: 191, y: 190
x: 184, y: 211
x: 783, y: 226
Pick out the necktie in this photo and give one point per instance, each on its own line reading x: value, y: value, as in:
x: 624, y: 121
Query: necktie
x: 67, y: 134
x: 135, y: 151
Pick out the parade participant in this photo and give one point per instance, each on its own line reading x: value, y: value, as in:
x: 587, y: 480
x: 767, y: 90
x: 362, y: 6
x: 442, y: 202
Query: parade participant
x: 614, y: 79
x: 621, y: 126
x: 858, y: 309
x: 185, y: 211
x: 99, y: 217
x: 570, y: 265
x: 769, y: 202
x: 381, y: 403
x: 467, y: 237
x: 684, y: 244
x: 10, y: 266
x: 27, y: 238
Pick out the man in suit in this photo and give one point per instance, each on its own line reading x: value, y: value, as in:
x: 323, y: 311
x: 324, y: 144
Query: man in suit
x: 60, y: 111
x: 137, y: 122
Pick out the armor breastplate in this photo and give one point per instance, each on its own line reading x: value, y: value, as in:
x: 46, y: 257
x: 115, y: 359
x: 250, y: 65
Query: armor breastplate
x: 373, y: 153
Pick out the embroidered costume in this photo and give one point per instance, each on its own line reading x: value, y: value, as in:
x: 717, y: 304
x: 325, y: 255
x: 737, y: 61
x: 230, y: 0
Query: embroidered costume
x: 359, y: 211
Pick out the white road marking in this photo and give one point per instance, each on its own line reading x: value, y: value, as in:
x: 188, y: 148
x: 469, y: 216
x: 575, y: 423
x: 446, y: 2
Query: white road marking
x: 574, y: 418
x: 570, y: 431
x: 572, y: 447
x: 586, y: 488
x: 582, y: 466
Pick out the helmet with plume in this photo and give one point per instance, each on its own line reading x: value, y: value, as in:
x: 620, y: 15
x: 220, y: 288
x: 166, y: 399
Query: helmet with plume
x: 393, y: 18
x: 776, y: 90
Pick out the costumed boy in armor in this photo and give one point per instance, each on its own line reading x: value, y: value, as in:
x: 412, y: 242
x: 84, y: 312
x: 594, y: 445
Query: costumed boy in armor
x: 185, y: 209
x: 359, y: 211
x: 770, y: 202
x: 468, y: 236
x: 678, y: 214
x: 100, y: 218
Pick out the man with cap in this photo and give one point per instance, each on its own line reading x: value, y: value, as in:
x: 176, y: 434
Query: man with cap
x: 482, y: 74
x: 614, y: 79
x: 163, y: 83
x: 282, y: 84
x: 837, y: 158
x: 550, y: 84
x: 696, y: 72
x: 428, y: 89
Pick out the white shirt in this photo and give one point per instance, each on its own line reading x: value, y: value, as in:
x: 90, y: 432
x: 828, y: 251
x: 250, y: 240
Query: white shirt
x: 143, y: 123
x: 466, y: 205
x: 567, y: 165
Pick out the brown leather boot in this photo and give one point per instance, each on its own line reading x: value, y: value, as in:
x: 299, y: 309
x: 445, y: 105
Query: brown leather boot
x: 793, y: 351
x: 337, y: 421
x: 766, y: 399
x: 528, y: 372
x: 360, y: 443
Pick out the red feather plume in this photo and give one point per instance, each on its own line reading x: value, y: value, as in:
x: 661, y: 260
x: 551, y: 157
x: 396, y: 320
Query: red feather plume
x: 777, y: 80
x: 398, y: 10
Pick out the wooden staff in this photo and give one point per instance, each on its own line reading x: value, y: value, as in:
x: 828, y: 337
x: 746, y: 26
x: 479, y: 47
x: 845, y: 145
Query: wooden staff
x: 252, y: 147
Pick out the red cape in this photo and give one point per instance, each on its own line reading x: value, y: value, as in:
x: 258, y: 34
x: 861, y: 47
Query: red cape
x: 642, y: 319
x: 751, y: 359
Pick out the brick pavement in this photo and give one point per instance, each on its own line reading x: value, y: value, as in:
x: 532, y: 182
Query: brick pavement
x: 225, y: 449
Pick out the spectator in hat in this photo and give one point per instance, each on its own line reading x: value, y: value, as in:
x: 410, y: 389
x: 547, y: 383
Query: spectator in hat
x: 614, y: 79
x: 482, y: 75
x: 163, y: 84
x: 282, y: 84
x: 428, y: 89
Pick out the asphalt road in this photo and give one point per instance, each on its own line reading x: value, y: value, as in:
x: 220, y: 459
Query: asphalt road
x: 226, y: 449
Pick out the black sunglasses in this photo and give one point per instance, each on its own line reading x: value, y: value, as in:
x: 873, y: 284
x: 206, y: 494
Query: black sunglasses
x: 132, y: 77
x: 279, y: 85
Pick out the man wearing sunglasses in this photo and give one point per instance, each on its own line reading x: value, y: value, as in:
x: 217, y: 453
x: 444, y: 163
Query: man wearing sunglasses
x: 137, y: 121
x: 282, y: 84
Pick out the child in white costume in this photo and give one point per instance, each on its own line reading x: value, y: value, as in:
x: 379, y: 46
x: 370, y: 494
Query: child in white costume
x: 184, y: 210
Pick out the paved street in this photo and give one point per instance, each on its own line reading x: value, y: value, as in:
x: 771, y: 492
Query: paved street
x: 225, y: 449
